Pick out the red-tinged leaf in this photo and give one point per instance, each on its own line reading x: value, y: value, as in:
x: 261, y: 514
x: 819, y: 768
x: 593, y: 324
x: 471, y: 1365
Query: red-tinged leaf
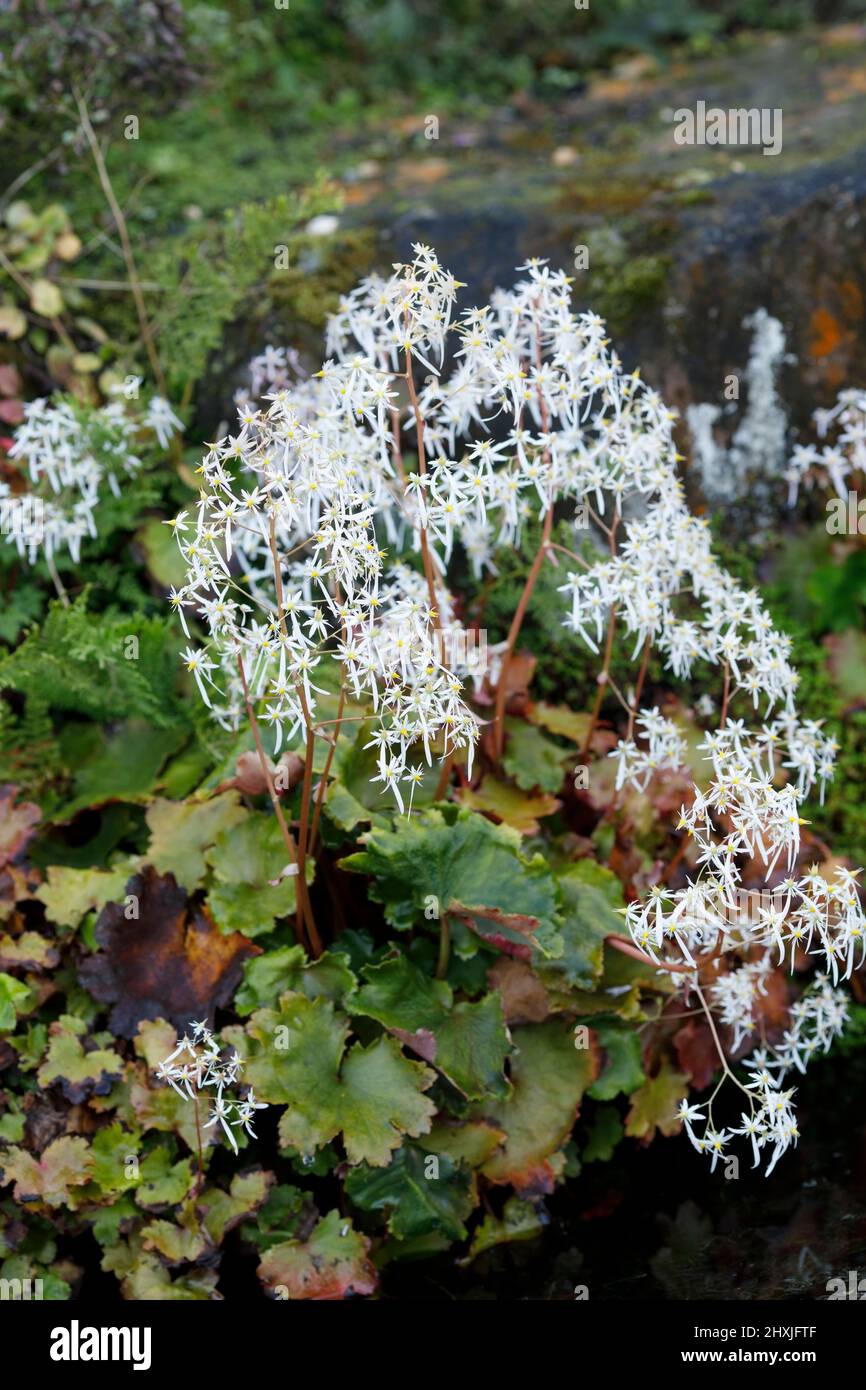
x: 332, y: 1264
x: 510, y: 932
x: 16, y: 824
x: 549, y: 1078
x: 422, y: 1042
x: 65, y: 1164
x: 10, y: 381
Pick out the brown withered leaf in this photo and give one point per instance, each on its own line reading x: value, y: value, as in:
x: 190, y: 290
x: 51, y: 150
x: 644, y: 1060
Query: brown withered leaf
x: 170, y: 962
x: 696, y: 1052
x: 46, y: 1119
x: 518, y: 678
x: 524, y: 998
x: 250, y: 779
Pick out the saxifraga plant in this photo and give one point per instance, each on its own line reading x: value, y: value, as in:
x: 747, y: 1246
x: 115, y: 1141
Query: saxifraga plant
x: 297, y: 556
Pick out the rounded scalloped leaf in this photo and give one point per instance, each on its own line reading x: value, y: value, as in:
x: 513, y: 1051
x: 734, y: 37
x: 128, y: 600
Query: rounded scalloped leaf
x: 331, y: 1264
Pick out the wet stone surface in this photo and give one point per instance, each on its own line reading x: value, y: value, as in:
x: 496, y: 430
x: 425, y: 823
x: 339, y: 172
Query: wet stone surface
x: 683, y: 241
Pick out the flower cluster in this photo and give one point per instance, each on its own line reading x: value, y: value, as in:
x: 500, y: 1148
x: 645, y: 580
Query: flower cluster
x: 71, y: 455
x: 715, y: 927
x: 323, y: 535
x: 197, y: 1064
x: 818, y: 1018
x: 837, y: 462
x: 666, y: 748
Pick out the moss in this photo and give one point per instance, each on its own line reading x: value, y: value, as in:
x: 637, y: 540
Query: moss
x: 637, y: 285
x: 308, y: 292
x: 688, y: 197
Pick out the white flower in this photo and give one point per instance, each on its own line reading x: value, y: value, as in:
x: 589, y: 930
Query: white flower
x: 197, y: 1065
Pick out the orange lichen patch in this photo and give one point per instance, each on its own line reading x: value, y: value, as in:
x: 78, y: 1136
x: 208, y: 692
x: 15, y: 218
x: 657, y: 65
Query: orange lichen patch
x: 358, y: 194
x: 423, y: 170
x: 840, y: 34
x: 842, y: 84
x: 827, y: 333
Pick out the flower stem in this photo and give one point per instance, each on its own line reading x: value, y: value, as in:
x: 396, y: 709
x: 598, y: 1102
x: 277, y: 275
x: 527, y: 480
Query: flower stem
x: 444, y: 946
x: 514, y: 633
x: 601, y: 680
x: 304, y: 915
x: 426, y: 557
x: 531, y: 580
x: 200, y: 1146
x: 323, y: 783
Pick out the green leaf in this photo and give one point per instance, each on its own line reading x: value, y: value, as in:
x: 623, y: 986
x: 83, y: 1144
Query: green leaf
x: 162, y: 1183
x: 531, y: 759
x: 148, y: 1281
x: 420, y: 1192
x: 15, y: 999
x: 372, y: 1095
x: 623, y: 1069
x: 224, y: 1210
x: 268, y: 976
x: 122, y: 766
x: 111, y: 1149
x: 520, y: 1220
x: 45, y: 299
x: 402, y: 997
x: 605, y: 1132
x: 155, y: 1039
x: 247, y: 861
x: 164, y: 560
x: 472, y: 1046
x: 54, y: 1289
x: 560, y: 720
x: 354, y: 798
x: 69, y: 894
x: 468, y: 1141
x: 181, y: 831
x: 280, y: 1217
x: 13, y: 324
x: 549, y: 1076
x: 177, y: 1243
x: 85, y: 663
x: 654, y: 1106
x: 467, y: 1042
x: 332, y: 1263
x: 79, y: 1073
x: 590, y: 895
x: 382, y: 1100
x: 444, y: 856
x: 29, y: 951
